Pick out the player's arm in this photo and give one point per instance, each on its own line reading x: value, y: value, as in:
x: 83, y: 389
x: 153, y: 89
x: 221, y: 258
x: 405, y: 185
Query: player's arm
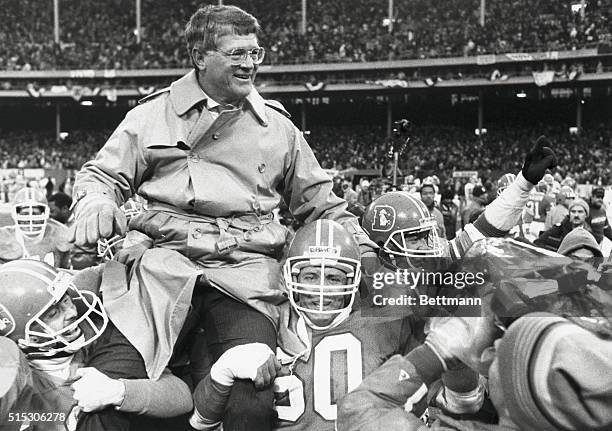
x: 505, y: 211
x: 392, y: 397
x: 167, y: 396
x: 308, y: 192
x: 254, y: 361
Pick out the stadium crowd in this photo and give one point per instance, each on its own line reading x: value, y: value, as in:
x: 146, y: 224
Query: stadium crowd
x: 433, y: 150
x: 101, y: 35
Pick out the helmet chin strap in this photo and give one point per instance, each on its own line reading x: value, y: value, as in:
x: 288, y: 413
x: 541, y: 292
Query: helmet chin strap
x: 57, y: 350
x: 340, y: 317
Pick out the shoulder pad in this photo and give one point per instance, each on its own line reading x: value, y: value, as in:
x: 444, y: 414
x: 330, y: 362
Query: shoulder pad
x: 153, y: 95
x: 277, y: 106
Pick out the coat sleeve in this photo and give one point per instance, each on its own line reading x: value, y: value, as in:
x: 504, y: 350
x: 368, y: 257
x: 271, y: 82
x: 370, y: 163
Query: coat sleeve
x: 393, y: 397
x: 168, y: 396
x: 118, y: 167
x: 308, y: 192
x: 504, y: 212
x: 15, y: 380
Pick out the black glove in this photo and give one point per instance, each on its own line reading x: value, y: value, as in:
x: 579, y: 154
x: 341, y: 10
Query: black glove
x: 538, y: 160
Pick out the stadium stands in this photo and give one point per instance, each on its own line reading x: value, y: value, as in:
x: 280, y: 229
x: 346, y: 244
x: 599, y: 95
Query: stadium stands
x: 101, y: 34
x: 435, y: 149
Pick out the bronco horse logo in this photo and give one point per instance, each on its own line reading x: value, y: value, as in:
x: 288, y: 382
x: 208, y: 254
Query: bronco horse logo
x: 384, y: 218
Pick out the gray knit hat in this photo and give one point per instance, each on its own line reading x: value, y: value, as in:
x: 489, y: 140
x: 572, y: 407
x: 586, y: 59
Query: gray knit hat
x: 581, y: 203
x: 555, y: 375
x: 579, y: 238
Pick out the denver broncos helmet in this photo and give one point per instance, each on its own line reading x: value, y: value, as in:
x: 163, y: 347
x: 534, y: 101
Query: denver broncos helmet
x: 28, y: 289
x: 402, y: 226
x: 321, y: 245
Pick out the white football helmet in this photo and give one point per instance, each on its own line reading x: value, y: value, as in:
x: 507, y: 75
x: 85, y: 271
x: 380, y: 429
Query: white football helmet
x: 30, y: 212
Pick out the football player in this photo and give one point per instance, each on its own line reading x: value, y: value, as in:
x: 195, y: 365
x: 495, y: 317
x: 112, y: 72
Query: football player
x: 536, y: 210
x: 340, y: 345
x: 62, y: 358
x: 404, y: 230
x: 34, y: 235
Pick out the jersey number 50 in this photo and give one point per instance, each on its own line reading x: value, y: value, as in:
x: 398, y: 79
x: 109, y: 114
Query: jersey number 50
x: 326, y: 377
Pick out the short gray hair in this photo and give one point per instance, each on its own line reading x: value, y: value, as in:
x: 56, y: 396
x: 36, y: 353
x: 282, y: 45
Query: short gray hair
x: 210, y: 22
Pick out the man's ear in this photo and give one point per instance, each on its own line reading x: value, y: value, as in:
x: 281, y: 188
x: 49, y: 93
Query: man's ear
x: 198, y: 58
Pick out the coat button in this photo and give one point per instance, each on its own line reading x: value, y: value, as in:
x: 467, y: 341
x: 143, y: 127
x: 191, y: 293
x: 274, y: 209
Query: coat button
x: 197, y: 233
x: 215, y: 136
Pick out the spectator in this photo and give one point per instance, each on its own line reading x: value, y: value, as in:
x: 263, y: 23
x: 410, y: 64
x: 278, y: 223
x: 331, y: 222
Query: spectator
x: 598, y: 219
x: 578, y: 213
x: 580, y: 244
x: 350, y: 195
x: 563, y: 199
x: 450, y: 212
x: 428, y: 193
x: 364, y: 196
x: 475, y: 206
x: 59, y: 207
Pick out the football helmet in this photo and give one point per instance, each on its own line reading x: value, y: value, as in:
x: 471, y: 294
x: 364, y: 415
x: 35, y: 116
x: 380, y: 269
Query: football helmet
x: 542, y: 187
x: 322, y: 244
x: 504, y: 182
x: 568, y: 192
x: 548, y: 179
x: 107, y: 248
x: 401, y: 225
x: 29, y: 288
x: 30, y: 212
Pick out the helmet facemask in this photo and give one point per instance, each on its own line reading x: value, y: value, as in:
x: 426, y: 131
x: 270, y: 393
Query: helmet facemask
x: 331, y: 303
x: 43, y: 341
x: 109, y: 247
x: 31, y: 219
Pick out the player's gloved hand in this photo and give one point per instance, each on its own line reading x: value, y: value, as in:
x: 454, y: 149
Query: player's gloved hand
x: 254, y: 361
x: 97, y: 216
x: 540, y: 158
x: 95, y: 391
x: 461, y: 339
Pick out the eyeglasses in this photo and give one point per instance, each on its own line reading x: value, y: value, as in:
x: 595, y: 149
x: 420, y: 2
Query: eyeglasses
x: 239, y: 55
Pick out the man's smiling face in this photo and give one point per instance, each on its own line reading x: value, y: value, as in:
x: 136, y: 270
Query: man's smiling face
x: 224, y: 82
